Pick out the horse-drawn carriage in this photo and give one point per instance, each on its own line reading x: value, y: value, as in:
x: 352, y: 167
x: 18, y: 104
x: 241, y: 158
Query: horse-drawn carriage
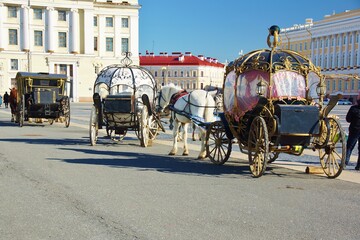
x: 41, y: 95
x: 124, y: 99
x: 273, y: 103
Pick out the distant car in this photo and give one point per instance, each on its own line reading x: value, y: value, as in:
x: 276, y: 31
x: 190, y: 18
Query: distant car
x: 344, y: 102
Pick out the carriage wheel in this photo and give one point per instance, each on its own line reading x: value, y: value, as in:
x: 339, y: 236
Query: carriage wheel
x: 332, y: 156
x: 67, y: 113
x: 115, y: 137
x: 94, y: 126
x: 323, y: 138
x: 154, y: 127
x: 21, y: 113
x: 144, y: 127
x: 258, y: 145
x: 273, y: 156
x: 218, y: 145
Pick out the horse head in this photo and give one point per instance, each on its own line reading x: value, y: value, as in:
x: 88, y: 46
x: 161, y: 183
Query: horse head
x: 164, y: 96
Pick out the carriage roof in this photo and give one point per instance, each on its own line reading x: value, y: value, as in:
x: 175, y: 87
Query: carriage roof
x: 28, y: 80
x: 125, y: 74
x: 277, y: 73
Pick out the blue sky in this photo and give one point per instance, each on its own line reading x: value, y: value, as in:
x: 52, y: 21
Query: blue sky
x: 221, y: 28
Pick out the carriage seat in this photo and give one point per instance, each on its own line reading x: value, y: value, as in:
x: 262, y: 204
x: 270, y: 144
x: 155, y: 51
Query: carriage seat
x: 119, y: 103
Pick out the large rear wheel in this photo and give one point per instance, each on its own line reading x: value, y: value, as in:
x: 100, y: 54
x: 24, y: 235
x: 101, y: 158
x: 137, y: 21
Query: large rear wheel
x: 218, y: 145
x: 94, y: 125
x: 144, y: 127
x: 66, y: 109
x: 332, y: 155
x: 258, y: 147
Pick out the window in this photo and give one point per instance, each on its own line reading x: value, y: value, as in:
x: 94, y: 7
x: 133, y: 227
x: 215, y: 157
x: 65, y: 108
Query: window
x: 12, y: 12
x: 328, y: 85
x: 352, y: 84
x: 124, y: 44
x: 95, y: 43
x: 38, y: 13
x: 62, y: 39
x: 338, y: 41
x: 62, y: 15
x: 155, y: 74
x: 305, y: 46
x: 202, y: 73
x: 340, y: 85
x: 194, y: 73
x: 125, y: 22
x: 95, y: 21
x: 109, y: 44
x: 350, y: 39
x: 14, y: 64
x: 300, y: 46
x: 63, y: 68
x: 187, y: 74
x: 38, y: 38
x: 345, y: 40
x: 109, y: 22
x: 175, y: 74
x: 13, y: 38
x: 333, y: 42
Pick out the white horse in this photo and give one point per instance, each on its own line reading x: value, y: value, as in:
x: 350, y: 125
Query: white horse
x: 197, y: 104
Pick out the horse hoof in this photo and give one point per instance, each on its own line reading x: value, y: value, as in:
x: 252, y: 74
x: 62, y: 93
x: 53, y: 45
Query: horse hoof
x: 185, y: 154
x: 171, y: 154
x: 200, y: 157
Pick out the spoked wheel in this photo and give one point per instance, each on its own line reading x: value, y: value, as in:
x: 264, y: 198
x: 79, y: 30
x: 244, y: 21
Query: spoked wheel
x: 116, y: 137
x: 218, y: 145
x: 332, y: 155
x: 324, y: 135
x: 154, y: 127
x: 273, y: 156
x: 66, y: 109
x: 144, y: 127
x: 94, y: 126
x: 21, y: 115
x: 258, y: 144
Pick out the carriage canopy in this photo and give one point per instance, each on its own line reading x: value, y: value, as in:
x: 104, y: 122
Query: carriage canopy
x: 283, y: 74
x: 124, y: 78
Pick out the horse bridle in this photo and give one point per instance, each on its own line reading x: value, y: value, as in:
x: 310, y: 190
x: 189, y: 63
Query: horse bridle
x: 159, y: 108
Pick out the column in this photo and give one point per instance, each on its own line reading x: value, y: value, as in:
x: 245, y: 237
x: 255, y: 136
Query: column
x: 88, y: 31
x: 24, y: 26
x: 340, y: 51
x: 322, y: 52
x: 346, y: 60
x: 2, y: 32
x: 318, y: 63
x: 50, y: 30
x: 351, y: 63
x: 134, y: 38
x: 334, y: 52
x: 328, y: 52
x: 74, y: 31
x: 312, y: 49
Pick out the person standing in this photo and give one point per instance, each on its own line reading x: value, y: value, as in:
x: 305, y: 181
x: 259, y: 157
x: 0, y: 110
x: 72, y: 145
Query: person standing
x: 1, y: 100
x: 6, y: 100
x: 353, y: 117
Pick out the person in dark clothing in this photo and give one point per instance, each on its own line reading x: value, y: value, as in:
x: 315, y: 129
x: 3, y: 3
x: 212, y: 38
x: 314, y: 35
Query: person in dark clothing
x: 6, y: 100
x: 353, y: 117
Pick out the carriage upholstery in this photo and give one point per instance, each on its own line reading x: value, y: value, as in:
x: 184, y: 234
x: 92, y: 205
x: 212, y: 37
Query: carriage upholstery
x: 45, y: 96
x: 121, y: 103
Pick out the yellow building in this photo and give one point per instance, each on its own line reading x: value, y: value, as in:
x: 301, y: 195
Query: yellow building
x: 332, y: 44
x: 76, y: 38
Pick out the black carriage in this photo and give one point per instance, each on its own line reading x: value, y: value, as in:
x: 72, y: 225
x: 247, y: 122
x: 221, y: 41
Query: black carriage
x: 124, y: 99
x: 273, y: 103
x: 42, y: 95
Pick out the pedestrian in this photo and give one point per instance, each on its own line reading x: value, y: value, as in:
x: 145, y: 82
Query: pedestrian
x: 353, y: 117
x: 1, y: 101
x: 6, y: 100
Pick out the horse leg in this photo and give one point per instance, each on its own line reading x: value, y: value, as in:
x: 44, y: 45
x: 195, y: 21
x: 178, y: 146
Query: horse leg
x: 175, y: 138
x: 185, y: 136
x: 202, y: 153
x: 193, y: 132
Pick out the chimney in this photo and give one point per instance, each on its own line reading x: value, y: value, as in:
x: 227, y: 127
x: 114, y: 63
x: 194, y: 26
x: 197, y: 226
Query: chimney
x: 201, y: 57
x: 181, y: 58
x: 176, y: 53
x: 188, y: 54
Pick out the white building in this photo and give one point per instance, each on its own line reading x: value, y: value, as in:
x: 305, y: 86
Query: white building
x: 185, y: 70
x: 333, y: 45
x: 74, y: 37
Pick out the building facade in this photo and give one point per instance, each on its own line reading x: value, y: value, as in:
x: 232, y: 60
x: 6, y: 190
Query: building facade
x: 332, y: 44
x: 73, y: 37
x: 185, y: 70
